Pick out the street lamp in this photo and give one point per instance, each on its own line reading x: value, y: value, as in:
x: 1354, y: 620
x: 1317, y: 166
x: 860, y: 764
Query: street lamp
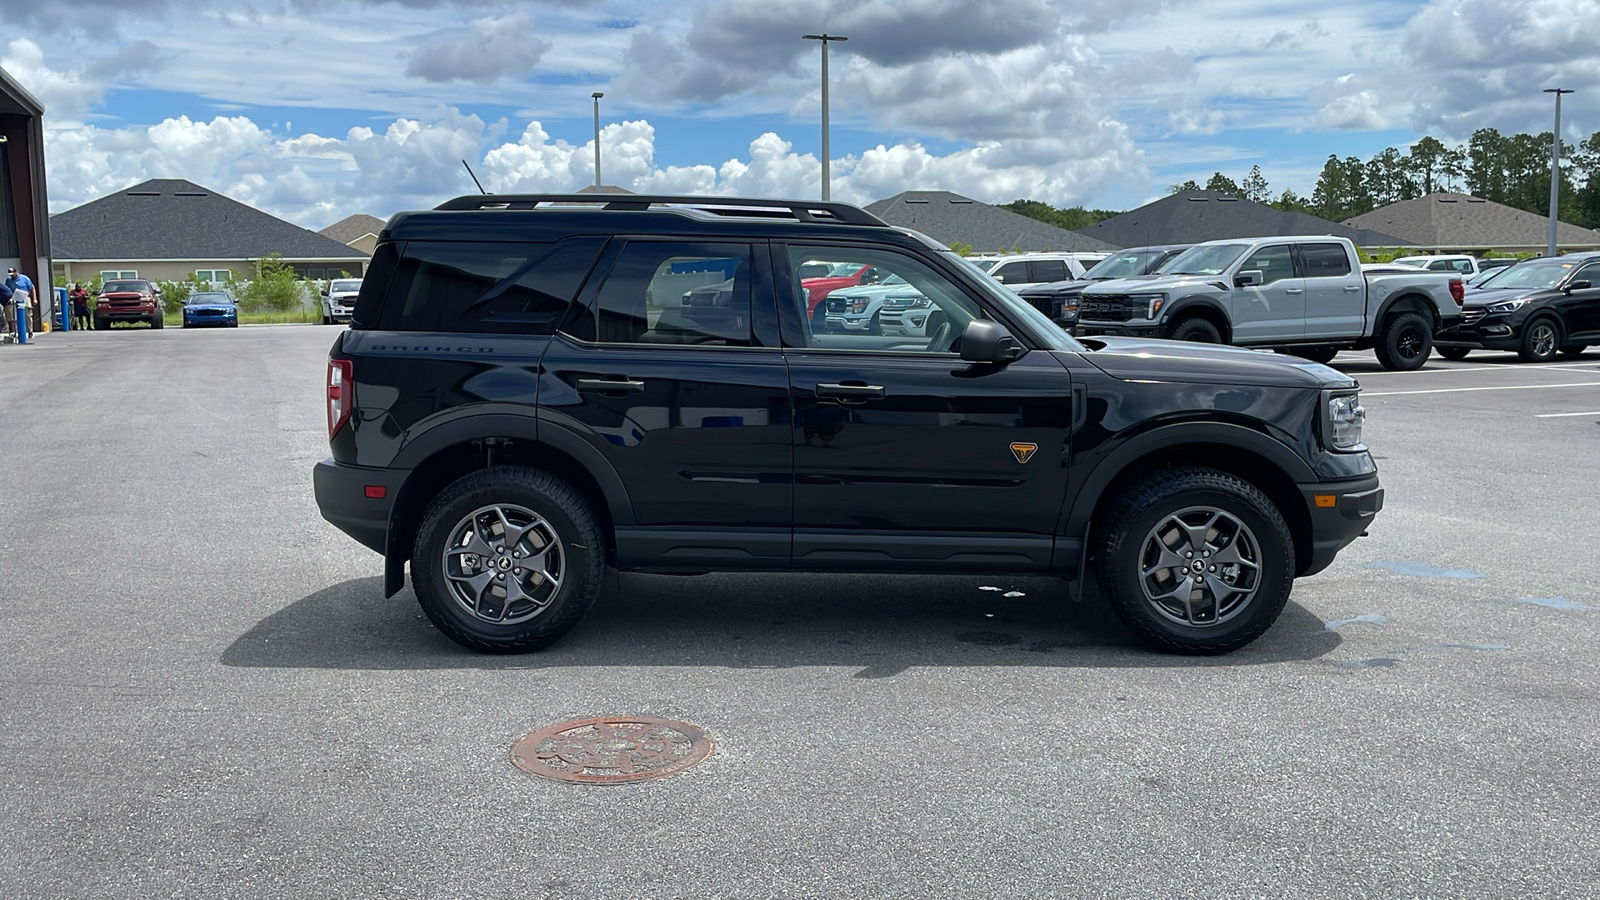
x: 824, y: 38
x: 597, y: 95
x: 1555, y: 169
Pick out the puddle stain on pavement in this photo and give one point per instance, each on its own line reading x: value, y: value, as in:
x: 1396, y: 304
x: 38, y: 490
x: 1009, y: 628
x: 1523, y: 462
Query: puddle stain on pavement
x: 1363, y: 619
x: 1419, y: 569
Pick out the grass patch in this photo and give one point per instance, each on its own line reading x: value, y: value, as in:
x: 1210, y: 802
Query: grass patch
x: 269, y: 317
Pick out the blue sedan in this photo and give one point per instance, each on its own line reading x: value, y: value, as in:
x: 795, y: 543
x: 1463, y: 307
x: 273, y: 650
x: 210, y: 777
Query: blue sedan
x: 211, y: 308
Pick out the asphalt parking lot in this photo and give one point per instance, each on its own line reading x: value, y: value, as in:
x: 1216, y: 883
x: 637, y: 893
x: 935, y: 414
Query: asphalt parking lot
x: 205, y: 694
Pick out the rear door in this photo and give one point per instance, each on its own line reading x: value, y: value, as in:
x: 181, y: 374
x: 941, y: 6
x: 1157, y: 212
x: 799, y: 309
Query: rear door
x: 1581, y: 308
x: 1274, y: 309
x: 1336, y: 292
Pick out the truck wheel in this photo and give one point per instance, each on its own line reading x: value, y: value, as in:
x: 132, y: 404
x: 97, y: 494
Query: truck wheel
x: 1540, y: 340
x: 1196, y: 329
x: 875, y: 326
x: 1405, y: 342
x: 158, y: 321
x: 1196, y: 561
x: 1456, y: 353
x: 507, y: 560
x: 1315, y: 354
x: 101, y: 324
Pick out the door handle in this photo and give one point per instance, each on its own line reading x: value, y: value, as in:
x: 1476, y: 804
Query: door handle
x: 613, y: 383
x: 1294, y: 290
x: 850, y: 393
x: 1351, y: 288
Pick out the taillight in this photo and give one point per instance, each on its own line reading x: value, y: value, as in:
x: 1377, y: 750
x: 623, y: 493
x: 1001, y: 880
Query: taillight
x: 340, y: 393
x: 1458, y: 290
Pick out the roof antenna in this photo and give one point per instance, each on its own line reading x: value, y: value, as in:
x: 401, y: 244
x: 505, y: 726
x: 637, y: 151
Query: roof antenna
x: 474, y: 178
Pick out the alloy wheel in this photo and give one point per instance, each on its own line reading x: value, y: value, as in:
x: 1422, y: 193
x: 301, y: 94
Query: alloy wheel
x: 1200, y: 566
x: 503, y: 564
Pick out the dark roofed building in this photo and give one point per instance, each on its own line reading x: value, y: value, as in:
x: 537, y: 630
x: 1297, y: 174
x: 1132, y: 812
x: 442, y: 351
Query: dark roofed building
x: 166, y: 228
x: 953, y: 219
x: 1459, y: 223
x: 1189, y: 217
x: 24, y: 218
x: 604, y: 189
x: 359, y: 231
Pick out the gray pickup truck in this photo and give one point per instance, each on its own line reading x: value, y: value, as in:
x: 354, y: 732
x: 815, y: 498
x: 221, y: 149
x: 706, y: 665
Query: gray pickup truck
x: 1301, y: 295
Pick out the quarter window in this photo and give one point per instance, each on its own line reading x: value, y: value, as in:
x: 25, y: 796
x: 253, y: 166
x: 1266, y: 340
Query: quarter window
x: 1324, y: 260
x: 488, y: 288
x: 677, y: 293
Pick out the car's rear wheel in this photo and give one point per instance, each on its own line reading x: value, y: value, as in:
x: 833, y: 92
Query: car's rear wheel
x: 1195, y: 329
x: 1574, y: 350
x: 1541, y: 340
x: 507, y: 560
x: 1196, y: 561
x: 1456, y: 353
x: 1405, y: 343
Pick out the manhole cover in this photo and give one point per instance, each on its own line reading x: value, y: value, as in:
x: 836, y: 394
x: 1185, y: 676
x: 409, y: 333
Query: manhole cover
x: 614, y: 750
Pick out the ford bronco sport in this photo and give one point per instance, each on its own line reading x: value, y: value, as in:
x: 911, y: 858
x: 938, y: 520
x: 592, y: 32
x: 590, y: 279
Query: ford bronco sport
x: 533, y: 389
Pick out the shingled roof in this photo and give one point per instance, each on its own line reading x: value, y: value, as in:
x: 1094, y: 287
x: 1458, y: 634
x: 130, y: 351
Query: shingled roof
x: 353, y: 228
x: 1189, y: 217
x: 953, y: 219
x: 170, y: 218
x: 1459, y: 222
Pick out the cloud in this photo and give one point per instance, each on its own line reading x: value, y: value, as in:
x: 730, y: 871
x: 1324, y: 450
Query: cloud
x: 127, y: 64
x: 489, y: 49
x: 63, y: 94
x: 1351, y: 103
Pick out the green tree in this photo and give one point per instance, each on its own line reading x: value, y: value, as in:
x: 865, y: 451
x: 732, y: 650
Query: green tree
x: 1289, y: 201
x: 1222, y: 184
x: 1254, y: 186
x: 1180, y: 188
x: 1388, y: 178
x: 1485, y: 165
x: 273, y: 287
x: 1426, y: 163
x: 1071, y: 218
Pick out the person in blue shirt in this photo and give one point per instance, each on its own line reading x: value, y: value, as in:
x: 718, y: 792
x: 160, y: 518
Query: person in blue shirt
x: 21, y: 284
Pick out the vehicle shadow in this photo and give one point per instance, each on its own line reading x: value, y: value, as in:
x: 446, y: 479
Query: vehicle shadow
x: 881, y: 624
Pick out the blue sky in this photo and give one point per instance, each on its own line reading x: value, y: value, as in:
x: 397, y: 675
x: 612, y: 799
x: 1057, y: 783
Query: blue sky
x: 315, y: 110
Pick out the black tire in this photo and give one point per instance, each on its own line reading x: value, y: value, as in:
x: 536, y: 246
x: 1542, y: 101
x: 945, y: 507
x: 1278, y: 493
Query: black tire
x: 1455, y: 353
x: 101, y: 324
x: 1574, y: 350
x: 158, y: 321
x: 1405, y: 342
x: 819, y: 319
x: 572, y: 527
x: 1541, y: 339
x: 875, y: 326
x: 327, y: 320
x: 1195, y: 329
x: 1131, y: 534
x: 1315, y: 354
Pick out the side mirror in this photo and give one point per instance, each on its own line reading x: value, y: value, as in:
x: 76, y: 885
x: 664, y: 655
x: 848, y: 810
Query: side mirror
x: 1578, y: 286
x: 1250, y: 278
x: 987, y: 341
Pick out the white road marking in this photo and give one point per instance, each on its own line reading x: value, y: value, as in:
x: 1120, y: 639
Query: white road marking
x: 1508, y: 367
x: 1565, y: 415
x: 1507, y: 387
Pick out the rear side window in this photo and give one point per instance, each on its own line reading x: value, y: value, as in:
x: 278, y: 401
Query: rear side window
x: 1049, y: 270
x: 1012, y: 273
x: 678, y: 293
x: 380, y: 269
x: 487, y: 288
x: 1324, y: 260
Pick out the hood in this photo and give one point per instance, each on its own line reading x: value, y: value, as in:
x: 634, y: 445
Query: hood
x: 1056, y: 287
x: 1149, y: 284
x: 876, y: 290
x: 209, y: 304
x: 343, y: 294
x: 1486, y: 295
x: 1151, y: 359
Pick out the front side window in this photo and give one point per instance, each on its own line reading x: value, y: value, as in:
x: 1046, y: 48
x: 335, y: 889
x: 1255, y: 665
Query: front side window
x: 677, y: 293
x: 1011, y: 273
x: 1273, y: 261
x: 911, y: 308
x: 1045, y: 270
x: 488, y: 288
x: 1589, y: 273
x: 1324, y: 260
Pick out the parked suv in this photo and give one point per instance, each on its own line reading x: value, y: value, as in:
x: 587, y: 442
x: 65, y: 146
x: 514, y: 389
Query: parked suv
x: 1538, y: 308
x: 531, y: 392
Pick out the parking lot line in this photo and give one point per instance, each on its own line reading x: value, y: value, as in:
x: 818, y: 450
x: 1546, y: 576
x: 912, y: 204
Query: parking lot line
x: 1508, y: 367
x: 1502, y: 387
x: 1565, y: 415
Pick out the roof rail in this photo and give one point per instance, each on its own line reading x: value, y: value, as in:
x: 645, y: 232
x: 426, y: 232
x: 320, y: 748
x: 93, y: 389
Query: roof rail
x: 819, y: 212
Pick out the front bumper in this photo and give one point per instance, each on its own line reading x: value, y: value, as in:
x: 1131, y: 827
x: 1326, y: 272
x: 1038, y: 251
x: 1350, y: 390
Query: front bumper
x: 1496, y: 332
x: 342, y: 497
x: 193, y: 319
x: 852, y: 322
x: 909, y: 322
x: 1340, y: 513
x: 1119, y: 329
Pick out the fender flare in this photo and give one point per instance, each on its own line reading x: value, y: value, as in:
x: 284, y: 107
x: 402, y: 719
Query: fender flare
x: 1192, y: 302
x: 1078, y: 516
x: 1408, y: 297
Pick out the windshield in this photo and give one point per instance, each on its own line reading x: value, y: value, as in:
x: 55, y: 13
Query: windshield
x: 1529, y: 275
x: 1416, y: 262
x: 209, y: 297
x: 348, y: 284
x: 1014, y: 305
x: 1122, y: 265
x: 1206, y: 259
x: 117, y: 287
x: 844, y: 270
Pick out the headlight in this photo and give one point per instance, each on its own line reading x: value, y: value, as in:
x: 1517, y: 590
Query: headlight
x: 1151, y: 302
x: 858, y: 304
x: 1345, y: 415
x: 1505, y: 306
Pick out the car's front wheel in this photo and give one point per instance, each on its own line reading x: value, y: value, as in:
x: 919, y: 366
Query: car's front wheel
x: 507, y: 560
x: 1454, y: 353
x: 1541, y: 340
x: 1196, y: 561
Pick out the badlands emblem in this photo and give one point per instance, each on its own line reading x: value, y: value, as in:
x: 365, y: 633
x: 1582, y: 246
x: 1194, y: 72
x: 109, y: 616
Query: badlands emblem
x: 1023, y: 452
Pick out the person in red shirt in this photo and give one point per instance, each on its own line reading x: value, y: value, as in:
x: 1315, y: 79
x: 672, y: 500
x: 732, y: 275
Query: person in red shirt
x: 80, y: 306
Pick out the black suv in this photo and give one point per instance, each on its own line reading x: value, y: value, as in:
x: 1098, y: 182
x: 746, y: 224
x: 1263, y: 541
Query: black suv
x: 1538, y: 308
x: 536, y: 387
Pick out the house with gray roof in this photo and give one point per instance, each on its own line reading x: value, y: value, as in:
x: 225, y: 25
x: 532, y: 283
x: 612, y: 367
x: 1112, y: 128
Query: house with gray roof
x: 1460, y: 223
x: 359, y: 231
x: 953, y: 219
x: 166, y: 228
x: 1189, y: 217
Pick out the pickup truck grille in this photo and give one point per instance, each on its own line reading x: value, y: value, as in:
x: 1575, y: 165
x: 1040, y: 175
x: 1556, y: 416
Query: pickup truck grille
x: 1104, y: 309
x: 1468, y: 316
x: 1047, y: 304
x: 837, y: 304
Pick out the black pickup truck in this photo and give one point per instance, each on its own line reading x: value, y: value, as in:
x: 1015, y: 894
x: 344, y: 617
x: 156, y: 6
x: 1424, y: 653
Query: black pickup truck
x: 537, y: 387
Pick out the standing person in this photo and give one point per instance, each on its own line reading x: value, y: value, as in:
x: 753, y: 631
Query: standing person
x: 9, y: 307
x: 22, y: 291
x: 80, y: 306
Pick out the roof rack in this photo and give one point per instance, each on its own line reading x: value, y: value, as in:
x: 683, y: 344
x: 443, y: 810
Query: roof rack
x: 819, y: 212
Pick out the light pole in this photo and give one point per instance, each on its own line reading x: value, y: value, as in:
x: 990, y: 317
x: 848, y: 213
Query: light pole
x: 824, y: 38
x: 1555, y: 169
x: 597, y: 95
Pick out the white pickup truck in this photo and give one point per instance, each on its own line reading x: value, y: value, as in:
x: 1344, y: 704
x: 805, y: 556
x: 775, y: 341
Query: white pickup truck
x: 1302, y: 295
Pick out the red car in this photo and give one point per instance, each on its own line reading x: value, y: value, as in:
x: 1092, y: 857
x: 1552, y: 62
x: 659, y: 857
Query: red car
x: 128, y: 300
x: 823, y: 278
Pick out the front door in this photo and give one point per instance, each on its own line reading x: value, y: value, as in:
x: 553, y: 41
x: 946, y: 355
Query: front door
x: 673, y: 373
x: 1581, y: 308
x: 1274, y: 309
x: 907, y: 458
